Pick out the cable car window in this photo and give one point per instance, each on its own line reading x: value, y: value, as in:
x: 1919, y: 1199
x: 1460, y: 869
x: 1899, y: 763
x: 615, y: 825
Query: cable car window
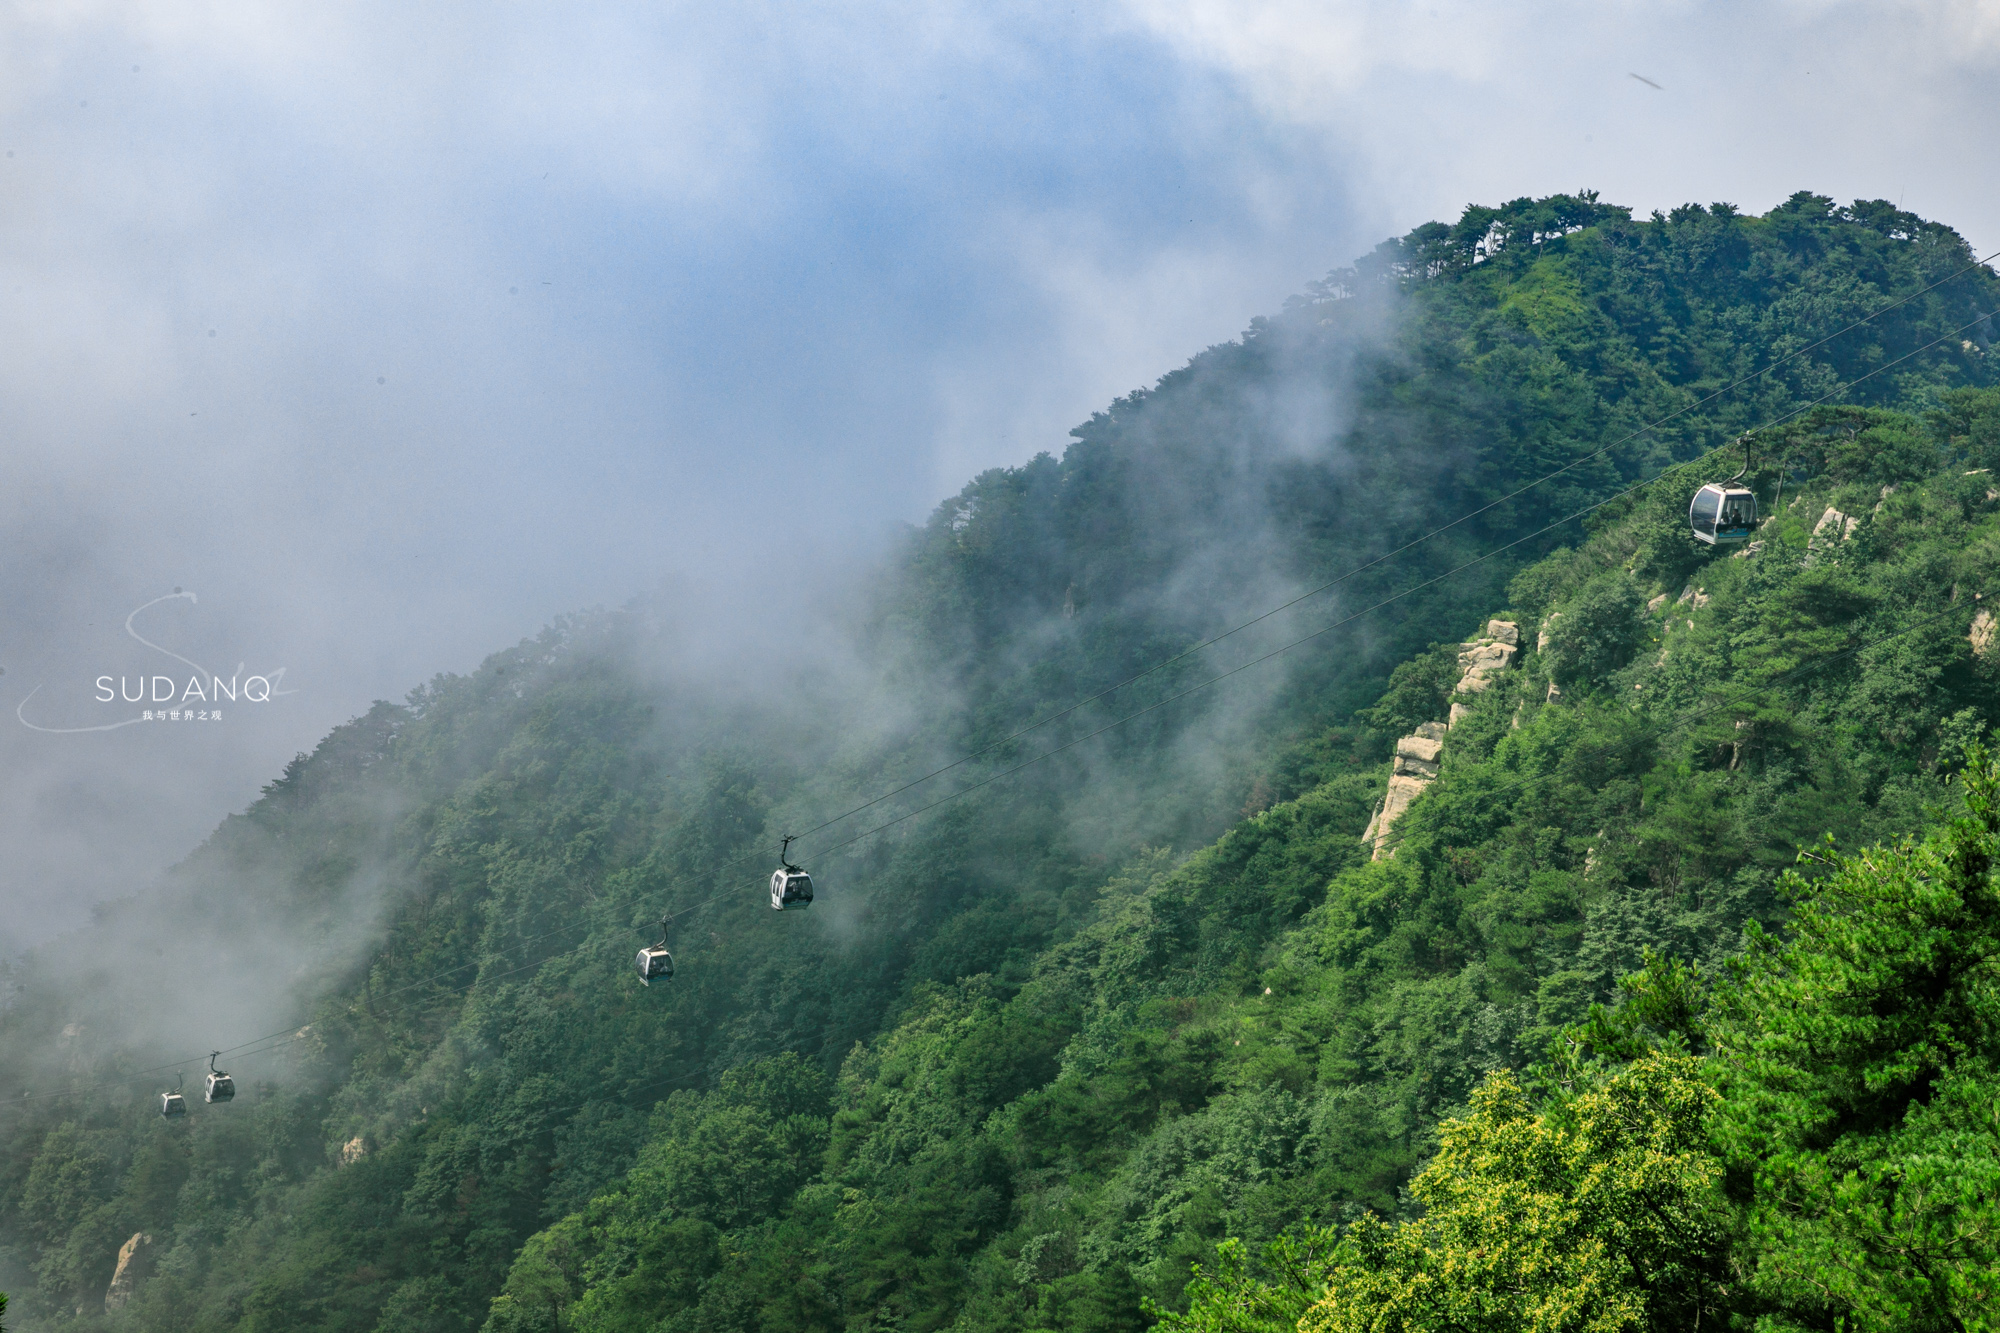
x: 655, y: 964
x: 791, y: 889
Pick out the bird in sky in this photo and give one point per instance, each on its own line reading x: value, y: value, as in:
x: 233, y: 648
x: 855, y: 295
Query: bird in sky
x: 1649, y: 83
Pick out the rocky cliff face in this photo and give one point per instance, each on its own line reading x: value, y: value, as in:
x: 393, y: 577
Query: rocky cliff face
x: 1480, y: 660
x: 126, y: 1277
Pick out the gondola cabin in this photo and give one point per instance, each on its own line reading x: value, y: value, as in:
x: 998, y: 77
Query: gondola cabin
x: 655, y: 964
x: 173, y: 1105
x: 220, y: 1087
x: 790, y: 889
x: 1722, y: 515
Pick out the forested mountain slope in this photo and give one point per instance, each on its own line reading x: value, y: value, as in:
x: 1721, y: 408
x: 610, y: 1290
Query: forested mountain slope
x: 1192, y: 1065
x: 1035, y: 1050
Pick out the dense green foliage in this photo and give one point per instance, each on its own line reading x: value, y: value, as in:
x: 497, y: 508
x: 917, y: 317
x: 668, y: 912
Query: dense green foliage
x: 1807, y: 1144
x: 1036, y: 1053
x: 1269, y: 1297
x: 1860, y: 1056
x: 1601, y: 1212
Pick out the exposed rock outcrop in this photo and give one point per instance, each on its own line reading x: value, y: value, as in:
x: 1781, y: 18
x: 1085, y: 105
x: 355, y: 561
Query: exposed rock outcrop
x: 1833, y: 528
x: 1485, y: 657
x: 1480, y: 659
x: 126, y: 1276
x: 1417, y: 756
x: 1983, y: 626
x: 1403, y: 789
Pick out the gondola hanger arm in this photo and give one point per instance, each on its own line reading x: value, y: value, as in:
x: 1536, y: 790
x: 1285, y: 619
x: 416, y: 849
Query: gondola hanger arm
x: 1744, y: 440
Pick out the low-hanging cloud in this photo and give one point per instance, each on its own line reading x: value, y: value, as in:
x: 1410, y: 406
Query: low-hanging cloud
x: 394, y: 333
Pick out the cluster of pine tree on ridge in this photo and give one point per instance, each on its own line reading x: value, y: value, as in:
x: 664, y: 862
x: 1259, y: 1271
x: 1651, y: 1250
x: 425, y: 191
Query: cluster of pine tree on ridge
x: 1039, y: 1054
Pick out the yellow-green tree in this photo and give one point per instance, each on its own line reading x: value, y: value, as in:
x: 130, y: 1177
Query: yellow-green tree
x: 1597, y: 1213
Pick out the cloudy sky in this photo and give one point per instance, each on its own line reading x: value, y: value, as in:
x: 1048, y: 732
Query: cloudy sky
x: 387, y: 332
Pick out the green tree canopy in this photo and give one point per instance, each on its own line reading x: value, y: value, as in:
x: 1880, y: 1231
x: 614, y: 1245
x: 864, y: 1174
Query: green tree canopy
x: 1860, y: 1054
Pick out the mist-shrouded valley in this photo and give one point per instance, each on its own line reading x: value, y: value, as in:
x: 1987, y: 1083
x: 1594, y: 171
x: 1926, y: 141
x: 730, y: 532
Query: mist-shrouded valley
x: 1539, y: 920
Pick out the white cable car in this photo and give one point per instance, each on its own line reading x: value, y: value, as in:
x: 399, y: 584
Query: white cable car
x: 172, y: 1104
x: 1723, y: 513
x: 791, y: 887
x: 655, y: 963
x: 220, y: 1087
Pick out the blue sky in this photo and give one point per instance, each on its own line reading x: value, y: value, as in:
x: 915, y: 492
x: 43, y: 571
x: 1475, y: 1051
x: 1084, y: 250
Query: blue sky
x: 521, y: 309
